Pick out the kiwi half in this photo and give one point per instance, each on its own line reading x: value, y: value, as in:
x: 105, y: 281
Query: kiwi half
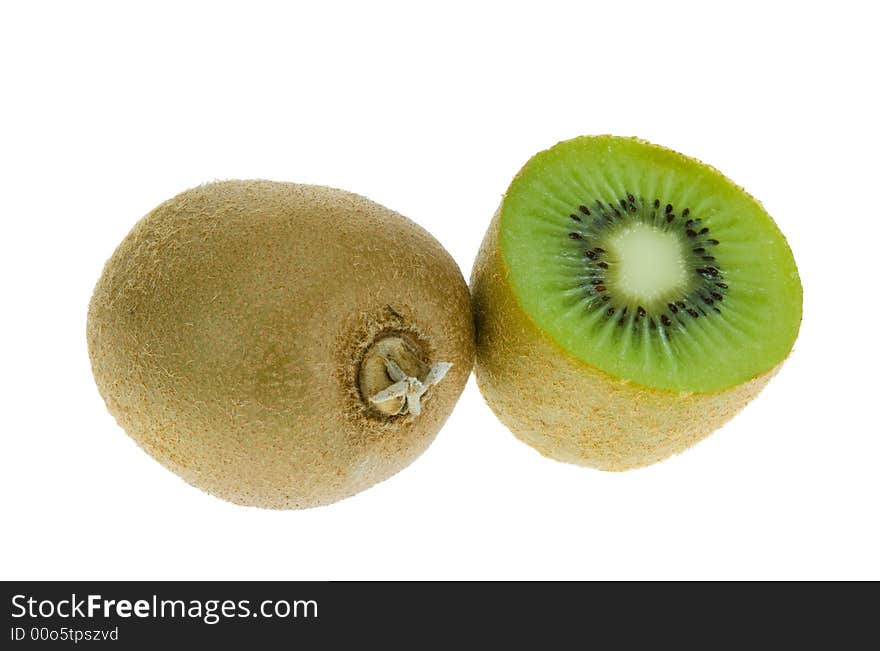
x: 280, y: 345
x: 629, y: 300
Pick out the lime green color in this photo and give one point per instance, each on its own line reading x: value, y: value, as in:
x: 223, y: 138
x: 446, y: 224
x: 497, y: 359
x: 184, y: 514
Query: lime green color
x: 747, y: 329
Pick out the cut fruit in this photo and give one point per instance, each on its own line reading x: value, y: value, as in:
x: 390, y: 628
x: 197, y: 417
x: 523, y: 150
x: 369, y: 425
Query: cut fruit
x: 641, y: 268
x: 649, y: 265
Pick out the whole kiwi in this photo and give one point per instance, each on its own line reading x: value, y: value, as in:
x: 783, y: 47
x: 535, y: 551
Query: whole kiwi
x: 280, y: 345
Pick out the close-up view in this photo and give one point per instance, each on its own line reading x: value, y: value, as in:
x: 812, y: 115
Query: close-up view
x: 313, y: 307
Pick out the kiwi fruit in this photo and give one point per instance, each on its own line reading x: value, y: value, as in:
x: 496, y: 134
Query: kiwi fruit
x: 280, y: 345
x: 628, y: 300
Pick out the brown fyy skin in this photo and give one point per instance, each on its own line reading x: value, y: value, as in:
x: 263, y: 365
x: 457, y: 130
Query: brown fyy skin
x: 575, y: 412
x: 227, y: 332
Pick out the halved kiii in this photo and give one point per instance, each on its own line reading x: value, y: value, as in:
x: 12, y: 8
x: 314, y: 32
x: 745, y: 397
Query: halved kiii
x: 629, y: 300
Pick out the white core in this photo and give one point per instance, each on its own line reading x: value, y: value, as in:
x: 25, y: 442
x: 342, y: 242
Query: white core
x: 648, y: 263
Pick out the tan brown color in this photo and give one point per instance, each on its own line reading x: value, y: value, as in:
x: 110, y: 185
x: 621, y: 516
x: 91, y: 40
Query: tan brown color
x: 227, y: 329
x: 567, y: 409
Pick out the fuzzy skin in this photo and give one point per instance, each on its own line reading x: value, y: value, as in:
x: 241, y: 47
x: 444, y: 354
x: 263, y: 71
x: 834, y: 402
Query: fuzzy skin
x: 567, y: 409
x: 226, y: 332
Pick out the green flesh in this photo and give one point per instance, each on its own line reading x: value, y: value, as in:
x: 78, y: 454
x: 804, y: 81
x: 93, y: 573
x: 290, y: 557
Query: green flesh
x: 649, y: 265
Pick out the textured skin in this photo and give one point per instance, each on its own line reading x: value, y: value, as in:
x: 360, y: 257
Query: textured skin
x: 226, y: 331
x: 567, y: 409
